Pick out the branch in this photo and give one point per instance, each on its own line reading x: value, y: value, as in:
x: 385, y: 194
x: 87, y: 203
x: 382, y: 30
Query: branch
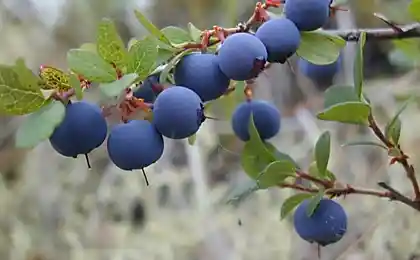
x: 339, y: 191
x: 396, y: 195
x: 402, y: 159
x: 352, y: 35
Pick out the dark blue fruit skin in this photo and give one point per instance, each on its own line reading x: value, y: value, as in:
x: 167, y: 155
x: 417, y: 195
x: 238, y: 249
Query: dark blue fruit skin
x: 307, y: 15
x: 281, y: 38
x: 242, y: 56
x: 146, y: 90
x: 201, y: 73
x: 326, y: 226
x: 266, y: 119
x: 83, y: 129
x: 134, y: 145
x: 320, y: 74
x: 178, y: 112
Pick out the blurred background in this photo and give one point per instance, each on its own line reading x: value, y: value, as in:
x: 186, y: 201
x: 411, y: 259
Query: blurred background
x: 55, y: 208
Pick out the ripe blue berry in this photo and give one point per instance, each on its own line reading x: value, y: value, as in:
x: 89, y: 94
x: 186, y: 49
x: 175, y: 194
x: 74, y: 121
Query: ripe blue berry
x: 134, y: 145
x: 178, y: 112
x: 242, y: 56
x: 266, y: 119
x: 201, y: 73
x: 281, y: 38
x: 149, y: 89
x: 307, y: 15
x: 327, y: 225
x: 320, y: 74
x: 83, y: 129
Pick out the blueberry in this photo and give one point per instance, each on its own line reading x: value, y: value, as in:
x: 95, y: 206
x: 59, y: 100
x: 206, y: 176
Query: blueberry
x: 281, y: 38
x: 242, y: 56
x: 266, y: 118
x: 134, y: 145
x: 201, y: 73
x: 178, y: 112
x: 325, y: 226
x: 83, y: 129
x: 308, y: 15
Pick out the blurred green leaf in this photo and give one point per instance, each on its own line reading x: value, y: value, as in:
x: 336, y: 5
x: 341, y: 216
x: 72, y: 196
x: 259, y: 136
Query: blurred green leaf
x: 414, y: 10
x: 192, y: 139
x: 114, y: 89
x: 358, y: 66
x: 409, y: 47
x: 279, y: 155
x: 241, y: 192
x: 347, y: 112
x: 255, y: 156
x: 194, y: 32
x: 313, y: 204
x: 151, y: 28
x: 40, y: 125
x: 320, y: 48
x: 16, y: 98
x: 275, y: 173
x: 131, y: 42
x: 292, y: 202
x: 91, y: 66
x: 142, y: 57
x: 26, y: 77
x: 89, y: 47
x: 176, y: 35
x: 367, y: 143
x: 322, y: 152
x: 110, y: 45
x: 313, y: 170
x: 339, y: 94
x: 75, y: 84
x: 393, y: 128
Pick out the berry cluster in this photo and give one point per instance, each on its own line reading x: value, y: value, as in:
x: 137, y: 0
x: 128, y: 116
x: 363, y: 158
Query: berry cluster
x: 172, y: 93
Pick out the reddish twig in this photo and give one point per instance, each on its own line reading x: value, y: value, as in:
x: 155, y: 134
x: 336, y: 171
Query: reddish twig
x: 339, y: 191
x: 401, y: 159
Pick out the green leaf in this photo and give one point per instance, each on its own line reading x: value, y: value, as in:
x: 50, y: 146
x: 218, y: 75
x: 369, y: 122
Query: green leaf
x: 89, y: 47
x: 91, y: 66
x: 347, y: 112
x: 192, y: 139
x: 114, y: 89
x: 292, y: 202
x: 75, y: 84
x: 241, y: 192
x: 164, y: 55
x: 409, y: 47
x: 358, y: 66
x: 280, y: 156
x: 394, y: 152
x: 275, y: 173
x: 322, y: 152
x: 131, y: 42
x: 414, y: 10
x: 168, y: 67
x: 195, y: 33
x: 313, y: 204
x: 142, y: 57
x: 313, y: 170
x: 151, y: 28
x: 393, y: 128
x: 40, y: 125
x: 110, y: 45
x: 252, y: 162
x: 26, y: 77
x: 16, y: 98
x: 319, y: 47
x: 368, y: 143
x: 339, y: 94
x: 176, y: 35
